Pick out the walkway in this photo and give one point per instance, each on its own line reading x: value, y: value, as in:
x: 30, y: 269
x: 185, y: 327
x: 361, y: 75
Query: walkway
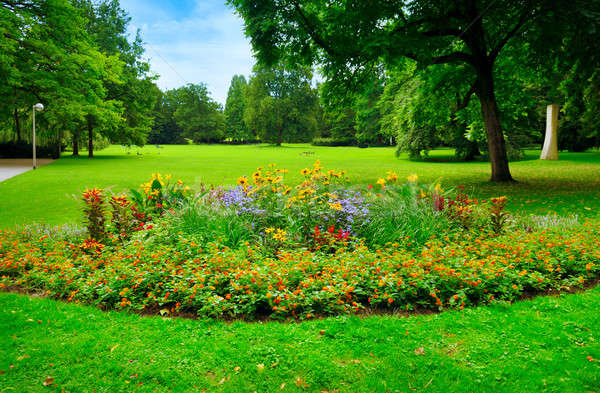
x: 10, y: 167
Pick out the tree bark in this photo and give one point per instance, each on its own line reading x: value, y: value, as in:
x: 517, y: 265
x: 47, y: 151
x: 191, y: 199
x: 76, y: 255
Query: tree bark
x: 75, y: 144
x: 58, y: 143
x: 493, y: 128
x: 17, y: 124
x: 90, y: 128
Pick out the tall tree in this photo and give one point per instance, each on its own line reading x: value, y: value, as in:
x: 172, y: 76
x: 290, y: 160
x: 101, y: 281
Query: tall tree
x: 281, y: 105
x: 350, y: 38
x: 165, y: 129
x: 235, y: 127
x: 199, y: 116
x: 48, y: 57
x: 134, y: 90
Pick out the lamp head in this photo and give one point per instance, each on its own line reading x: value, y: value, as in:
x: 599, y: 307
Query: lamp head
x: 38, y: 107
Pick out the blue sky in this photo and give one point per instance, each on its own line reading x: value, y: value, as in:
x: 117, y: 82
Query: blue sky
x: 202, y: 40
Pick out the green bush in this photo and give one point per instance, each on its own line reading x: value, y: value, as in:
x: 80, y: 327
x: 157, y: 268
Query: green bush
x: 334, y: 141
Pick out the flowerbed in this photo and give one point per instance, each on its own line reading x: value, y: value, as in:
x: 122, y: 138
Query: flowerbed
x: 213, y: 280
x: 266, y: 249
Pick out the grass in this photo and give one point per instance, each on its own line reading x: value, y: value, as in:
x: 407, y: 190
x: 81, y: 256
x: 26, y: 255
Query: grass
x: 548, y: 344
x: 49, y: 194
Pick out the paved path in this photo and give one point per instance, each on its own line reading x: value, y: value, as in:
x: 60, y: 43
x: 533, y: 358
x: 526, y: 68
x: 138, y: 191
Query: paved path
x: 10, y: 167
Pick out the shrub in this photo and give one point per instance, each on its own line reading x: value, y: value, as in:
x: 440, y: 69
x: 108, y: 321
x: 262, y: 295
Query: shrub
x: 344, y: 141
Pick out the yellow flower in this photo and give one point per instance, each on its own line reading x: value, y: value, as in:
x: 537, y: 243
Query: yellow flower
x: 392, y: 176
x: 335, y: 206
x: 269, y: 230
x: 168, y: 177
x: 242, y: 180
x: 286, y: 190
x: 305, y: 191
x: 413, y: 178
x: 279, y: 235
x: 305, y: 171
x: 438, y: 188
x: 381, y: 182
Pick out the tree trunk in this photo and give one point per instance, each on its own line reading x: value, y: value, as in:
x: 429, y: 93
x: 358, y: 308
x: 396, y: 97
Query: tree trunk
x: 493, y: 128
x: 75, y: 144
x: 279, y: 132
x: 90, y: 128
x: 17, y: 125
x: 58, y: 143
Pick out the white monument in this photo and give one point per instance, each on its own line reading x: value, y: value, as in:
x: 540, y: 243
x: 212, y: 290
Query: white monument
x: 550, y: 149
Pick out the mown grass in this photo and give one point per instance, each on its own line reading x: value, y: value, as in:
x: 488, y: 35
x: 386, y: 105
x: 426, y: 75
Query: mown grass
x: 549, y: 344
x: 567, y: 186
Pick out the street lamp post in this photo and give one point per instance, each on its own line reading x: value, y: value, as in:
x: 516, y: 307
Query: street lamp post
x: 37, y: 107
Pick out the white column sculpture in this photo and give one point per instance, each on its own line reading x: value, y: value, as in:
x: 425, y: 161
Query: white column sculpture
x: 550, y: 149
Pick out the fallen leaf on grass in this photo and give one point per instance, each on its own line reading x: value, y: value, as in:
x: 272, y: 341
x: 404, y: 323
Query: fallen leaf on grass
x: 355, y: 361
x: 590, y: 359
x: 49, y: 381
x: 22, y: 357
x: 420, y: 351
x: 113, y: 348
x: 260, y: 366
x: 282, y: 386
x: 237, y: 369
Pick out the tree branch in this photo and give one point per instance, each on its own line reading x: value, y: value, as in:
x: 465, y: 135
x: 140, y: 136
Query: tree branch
x: 525, y: 17
x: 455, y: 57
x: 462, y: 104
x: 312, y: 31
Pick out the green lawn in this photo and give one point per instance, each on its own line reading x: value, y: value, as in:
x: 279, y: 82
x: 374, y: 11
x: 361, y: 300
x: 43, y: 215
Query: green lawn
x: 568, y: 186
x: 548, y: 344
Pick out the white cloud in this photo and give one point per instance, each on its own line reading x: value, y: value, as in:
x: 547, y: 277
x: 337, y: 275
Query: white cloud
x: 204, y: 45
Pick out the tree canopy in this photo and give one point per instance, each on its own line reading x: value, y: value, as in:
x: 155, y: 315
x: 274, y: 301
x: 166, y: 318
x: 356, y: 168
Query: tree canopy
x: 281, y: 105
x: 349, y: 39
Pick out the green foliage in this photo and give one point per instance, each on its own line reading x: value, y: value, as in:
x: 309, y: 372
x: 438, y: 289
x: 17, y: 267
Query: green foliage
x: 281, y: 106
x: 235, y: 127
x: 200, y: 118
x: 165, y: 129
x: 74, y: 57
x: 347, y: 141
